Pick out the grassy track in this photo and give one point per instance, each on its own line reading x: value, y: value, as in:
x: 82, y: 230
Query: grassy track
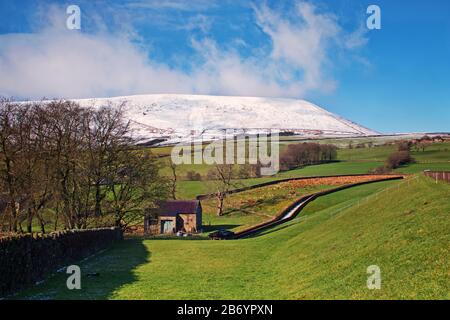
x: 322, y: 254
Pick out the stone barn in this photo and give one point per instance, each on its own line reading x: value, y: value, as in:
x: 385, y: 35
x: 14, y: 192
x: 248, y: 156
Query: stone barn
x: 175, y: 215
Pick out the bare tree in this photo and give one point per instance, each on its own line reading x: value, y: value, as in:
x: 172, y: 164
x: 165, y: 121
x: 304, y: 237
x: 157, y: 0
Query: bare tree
x: 173, y: 180
x: 78, y: 162
x: 398, y: 159
x: 222, y: 179
x: 11, y: 116
x: 134, y: 185
x: 106, y: 132
x: 301, y: 154
x: 36, y: 164
x: 67, y: 136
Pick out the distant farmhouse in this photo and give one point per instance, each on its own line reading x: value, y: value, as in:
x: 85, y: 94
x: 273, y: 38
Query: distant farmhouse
x: 175, y: 215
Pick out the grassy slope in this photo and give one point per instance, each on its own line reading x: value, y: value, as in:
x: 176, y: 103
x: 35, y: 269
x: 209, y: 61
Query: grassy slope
x: 324, y: 254
x: 251, y: 207
x: 404, y: 231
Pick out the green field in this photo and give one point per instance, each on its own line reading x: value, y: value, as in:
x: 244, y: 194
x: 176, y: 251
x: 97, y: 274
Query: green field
x: 190, y: 189
x: 351, y: 161
x: 401, y: 226
x: 436, y: 152
x: 322, y: 254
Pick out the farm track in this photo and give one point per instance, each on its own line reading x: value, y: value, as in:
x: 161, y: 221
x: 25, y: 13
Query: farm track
x: 297, y: 206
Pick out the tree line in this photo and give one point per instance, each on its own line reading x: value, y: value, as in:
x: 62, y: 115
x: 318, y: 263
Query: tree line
x: 307, y: 153
x: 400, y: 157
x: 76, y: 164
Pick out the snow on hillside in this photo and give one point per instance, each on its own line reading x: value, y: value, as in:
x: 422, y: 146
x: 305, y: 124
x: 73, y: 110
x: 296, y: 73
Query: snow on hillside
x: 177, y: 117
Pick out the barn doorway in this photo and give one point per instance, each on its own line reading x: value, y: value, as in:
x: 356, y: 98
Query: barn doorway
x: 167, y: 226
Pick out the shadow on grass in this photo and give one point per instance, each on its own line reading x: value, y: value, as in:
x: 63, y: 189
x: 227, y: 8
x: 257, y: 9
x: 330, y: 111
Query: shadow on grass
x: 115, y: 268
x: 216, y: 227
x: 174, y: 237
x: 270, y: 230
x: 101, y: 274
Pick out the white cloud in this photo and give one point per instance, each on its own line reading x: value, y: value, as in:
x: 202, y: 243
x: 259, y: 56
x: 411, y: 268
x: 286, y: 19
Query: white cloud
x: 55, y: 62
x: 70, y: 64
x: 182, y: 5
x: 226, y: 72
x: 302, y: 43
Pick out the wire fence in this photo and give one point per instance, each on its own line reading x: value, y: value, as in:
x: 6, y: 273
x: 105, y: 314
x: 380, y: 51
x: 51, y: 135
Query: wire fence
x: 438, y: 175
x: 397, y: 186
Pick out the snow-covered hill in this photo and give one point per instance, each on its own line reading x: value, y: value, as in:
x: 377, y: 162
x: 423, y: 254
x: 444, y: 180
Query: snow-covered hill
x: 177, y: 117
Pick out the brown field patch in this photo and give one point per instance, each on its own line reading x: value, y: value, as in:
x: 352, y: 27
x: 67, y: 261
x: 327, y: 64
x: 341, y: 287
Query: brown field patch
x: 331, y: 181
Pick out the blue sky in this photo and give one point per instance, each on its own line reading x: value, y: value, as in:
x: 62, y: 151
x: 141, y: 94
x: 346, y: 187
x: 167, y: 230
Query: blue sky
x: 396, y: 79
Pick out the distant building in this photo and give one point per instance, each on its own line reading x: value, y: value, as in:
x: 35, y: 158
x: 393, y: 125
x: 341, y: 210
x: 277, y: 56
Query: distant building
x: 175, y: 215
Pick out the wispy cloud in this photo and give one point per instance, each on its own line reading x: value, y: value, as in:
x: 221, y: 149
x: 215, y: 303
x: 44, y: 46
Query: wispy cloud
x: 357, y: 38
x: 301, y: 44
x: 55, y: 62
x: 192, y: 5
x: 198, y: 22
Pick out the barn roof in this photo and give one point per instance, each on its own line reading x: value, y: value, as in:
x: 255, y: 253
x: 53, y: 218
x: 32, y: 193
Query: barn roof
x: 174, y: 207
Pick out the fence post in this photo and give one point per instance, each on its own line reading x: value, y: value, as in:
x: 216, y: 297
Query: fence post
x: 438, y: 175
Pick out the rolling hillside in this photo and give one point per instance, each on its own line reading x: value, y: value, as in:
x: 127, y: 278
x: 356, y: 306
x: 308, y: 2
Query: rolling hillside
x: 322, y: 254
